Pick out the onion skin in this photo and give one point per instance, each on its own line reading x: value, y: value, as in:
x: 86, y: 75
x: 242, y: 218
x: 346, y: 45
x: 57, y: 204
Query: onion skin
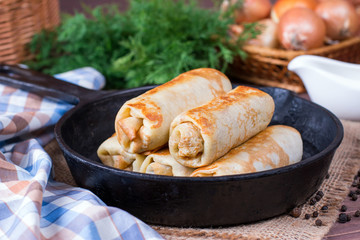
x: 301, y: 29
x: 281, y: 6
x: 253, y: 10
x: 340, y: 18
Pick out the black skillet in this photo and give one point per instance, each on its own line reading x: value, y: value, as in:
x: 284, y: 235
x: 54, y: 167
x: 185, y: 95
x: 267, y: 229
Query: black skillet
x: 185, y: 201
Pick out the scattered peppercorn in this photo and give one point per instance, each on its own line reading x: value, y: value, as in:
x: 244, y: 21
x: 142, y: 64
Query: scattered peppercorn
x: 315, y: 214
x: 357, y: 191
x: 312, y: 201
x: 343, y: 208
x: 357, y: 185
x: 342, y: 218
x: 327, y: 176
x: 307, y: 216
x: 317, y: 197
x: 325, y: 208
x: 320, y: 193
x: 348, y: 217
x: 354, y: 197
x: 351, y: 193
x: 354, y: 184
x: 296, y: 212
x: 357, y: 213
x: 318, y: 222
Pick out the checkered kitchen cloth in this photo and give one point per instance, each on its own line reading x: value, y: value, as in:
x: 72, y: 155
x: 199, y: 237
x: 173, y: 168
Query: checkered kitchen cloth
x: 32, y: 205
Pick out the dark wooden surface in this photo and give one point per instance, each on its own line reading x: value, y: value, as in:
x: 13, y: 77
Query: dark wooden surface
x: 339, y: 231
x: 348, y: 230
x: 71, y: 6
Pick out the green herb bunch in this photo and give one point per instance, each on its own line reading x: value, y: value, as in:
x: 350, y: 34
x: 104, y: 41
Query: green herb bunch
x: 150, y: 43
x: 92, y: 40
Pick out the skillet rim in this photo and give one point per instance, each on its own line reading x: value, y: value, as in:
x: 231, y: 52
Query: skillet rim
x: 330, y: 149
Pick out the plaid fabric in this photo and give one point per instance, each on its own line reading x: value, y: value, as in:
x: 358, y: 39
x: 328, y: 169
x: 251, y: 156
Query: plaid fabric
x: 32, y: 205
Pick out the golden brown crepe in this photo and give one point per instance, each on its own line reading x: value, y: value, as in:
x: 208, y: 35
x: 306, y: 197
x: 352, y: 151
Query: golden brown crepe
x: 142, y: 123
x: 162, y: 163
x: 276, y: 146
x: 203, y: 134
x: 112, y: 154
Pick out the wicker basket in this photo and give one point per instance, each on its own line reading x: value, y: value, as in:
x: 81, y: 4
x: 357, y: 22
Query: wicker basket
x: 268, y: 67
x: 19, y: 21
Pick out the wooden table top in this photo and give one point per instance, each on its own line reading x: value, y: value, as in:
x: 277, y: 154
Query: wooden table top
x: 348, y: 230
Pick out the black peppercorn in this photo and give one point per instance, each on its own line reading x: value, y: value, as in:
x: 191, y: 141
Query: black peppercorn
x: 342, y: 218
x: 296, y: 212
x: 343, y: 208
x: 315, y: 214
x: 318, y: 222
x: 354, y: 184
x: 348, y: 217
x: 307, y: 216
x: 312, y: 201
x: 357, y: 213
x: 354, y: 197
x: 357, y: 191
x: 324, y: 208
x: 320, y: 193
x: 317, y: 197
x: 327, y: 176
x: 351, y: 193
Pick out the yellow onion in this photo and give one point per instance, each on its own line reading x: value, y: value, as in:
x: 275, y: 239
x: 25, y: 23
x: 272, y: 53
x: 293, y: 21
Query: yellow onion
x: 281, y: 6
x: 301, y: 29
x: 249, y: 11
x: 253, y: 10
x: 340, y: 18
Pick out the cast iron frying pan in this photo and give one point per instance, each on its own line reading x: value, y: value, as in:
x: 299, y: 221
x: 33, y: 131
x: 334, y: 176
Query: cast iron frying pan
x: 185, y: 201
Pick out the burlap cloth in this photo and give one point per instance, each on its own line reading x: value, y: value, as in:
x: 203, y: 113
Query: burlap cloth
x: 344, y: 166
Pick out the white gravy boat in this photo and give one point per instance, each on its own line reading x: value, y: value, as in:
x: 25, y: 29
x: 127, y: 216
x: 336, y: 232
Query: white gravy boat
x: 330, y: 83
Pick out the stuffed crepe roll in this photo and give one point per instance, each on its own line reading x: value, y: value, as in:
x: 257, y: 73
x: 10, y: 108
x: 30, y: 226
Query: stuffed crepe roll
x: 276, y: 146
x: 203, y: 134
x: 142, y: 123
x: 112, y: 154
x: 162, y: 163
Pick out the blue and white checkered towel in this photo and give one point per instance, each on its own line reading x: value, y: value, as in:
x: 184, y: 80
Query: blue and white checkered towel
x: 32, y: 205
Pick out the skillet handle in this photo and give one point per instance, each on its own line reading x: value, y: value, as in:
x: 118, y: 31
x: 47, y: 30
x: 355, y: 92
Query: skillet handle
x: 43, y: 85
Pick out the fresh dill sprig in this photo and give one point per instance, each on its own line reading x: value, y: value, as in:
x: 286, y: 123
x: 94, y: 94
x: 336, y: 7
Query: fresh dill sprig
x: 150, y: 43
